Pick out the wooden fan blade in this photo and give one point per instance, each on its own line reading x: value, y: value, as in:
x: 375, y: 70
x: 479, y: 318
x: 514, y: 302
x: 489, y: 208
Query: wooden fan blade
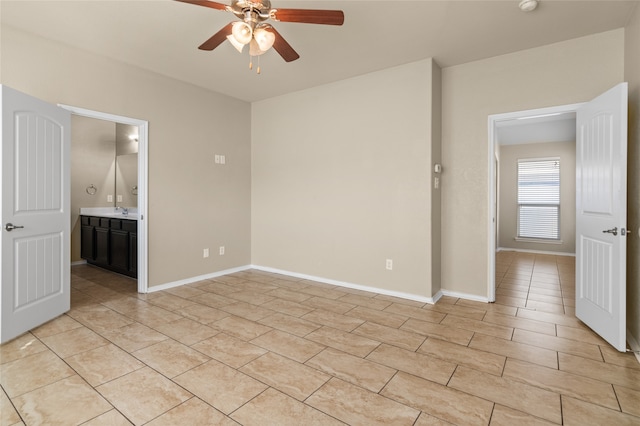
x: 217, y: 38
x: 282, y: 47
x: 309, y: 16
x: 206, y: 3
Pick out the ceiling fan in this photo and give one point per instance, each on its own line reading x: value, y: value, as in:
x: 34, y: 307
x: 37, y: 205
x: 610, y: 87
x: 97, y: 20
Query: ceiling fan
x: 254, y: 31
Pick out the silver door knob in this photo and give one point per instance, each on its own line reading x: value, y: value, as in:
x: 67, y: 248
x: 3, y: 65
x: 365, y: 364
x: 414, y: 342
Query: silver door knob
x: 613, y: 231
x: 10, y: 227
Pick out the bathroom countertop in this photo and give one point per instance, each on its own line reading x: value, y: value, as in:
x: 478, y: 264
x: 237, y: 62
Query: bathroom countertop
x: 109, y: 212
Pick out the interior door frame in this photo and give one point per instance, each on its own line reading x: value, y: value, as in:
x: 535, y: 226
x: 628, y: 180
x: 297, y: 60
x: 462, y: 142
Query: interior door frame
x: 492, y: 224
x: 143, y: 199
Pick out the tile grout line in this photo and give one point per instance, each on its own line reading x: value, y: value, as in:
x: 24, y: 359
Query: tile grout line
x: 426, y: 338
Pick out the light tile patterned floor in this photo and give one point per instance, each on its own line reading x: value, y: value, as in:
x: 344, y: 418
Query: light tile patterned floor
x: 255, y: 348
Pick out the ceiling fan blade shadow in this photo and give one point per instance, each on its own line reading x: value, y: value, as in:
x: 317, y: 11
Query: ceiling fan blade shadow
x: 216, y: 39
x: 206, y: 3
x: 282, y: 47
x: 309, y: 16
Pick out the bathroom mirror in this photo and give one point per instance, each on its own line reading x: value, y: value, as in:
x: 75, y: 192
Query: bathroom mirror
x: 126, y: 166
x: 104, y: 163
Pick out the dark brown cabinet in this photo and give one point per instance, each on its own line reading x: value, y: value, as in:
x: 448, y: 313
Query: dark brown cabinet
x: 110, y: 243
x: 102, y: 245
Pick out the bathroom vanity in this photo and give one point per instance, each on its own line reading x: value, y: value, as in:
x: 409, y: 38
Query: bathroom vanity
x: 110, y: 241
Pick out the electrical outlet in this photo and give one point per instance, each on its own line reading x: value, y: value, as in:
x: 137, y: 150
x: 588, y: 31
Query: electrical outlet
x: 221, y: 250
x: 223, y: 159
x: 217, y: 159
x: 119, y: 198
x: 389, y: 264
x: 205, y: 253
x: 109, y: 198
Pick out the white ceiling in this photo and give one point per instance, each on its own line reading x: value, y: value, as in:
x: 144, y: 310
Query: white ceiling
x: 163, y: 36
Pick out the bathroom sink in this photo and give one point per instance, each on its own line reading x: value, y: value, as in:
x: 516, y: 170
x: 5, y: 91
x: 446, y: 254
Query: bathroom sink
x: 108, y: 212
x: 133, y: 216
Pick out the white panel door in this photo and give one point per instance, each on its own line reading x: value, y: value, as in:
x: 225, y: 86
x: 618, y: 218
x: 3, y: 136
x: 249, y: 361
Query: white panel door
x: 601, y: 215
x: 35, y: 213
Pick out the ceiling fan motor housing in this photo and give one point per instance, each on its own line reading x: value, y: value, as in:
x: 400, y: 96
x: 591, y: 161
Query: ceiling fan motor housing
x: 251, y: 12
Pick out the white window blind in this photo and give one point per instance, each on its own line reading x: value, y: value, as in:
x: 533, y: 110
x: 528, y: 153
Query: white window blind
x: 539, y: 199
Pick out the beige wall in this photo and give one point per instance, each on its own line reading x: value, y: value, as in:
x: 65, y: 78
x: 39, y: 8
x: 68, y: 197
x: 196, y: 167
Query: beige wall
x: 193, y: 203
x: 632, y: 76
x: 557, y: 74
x: 93, y: 150
x: 508, y: 207
x: 342, y: 180
x: 342, y: 174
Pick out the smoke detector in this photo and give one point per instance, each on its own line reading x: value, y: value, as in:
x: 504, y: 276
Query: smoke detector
x: 528, y: 5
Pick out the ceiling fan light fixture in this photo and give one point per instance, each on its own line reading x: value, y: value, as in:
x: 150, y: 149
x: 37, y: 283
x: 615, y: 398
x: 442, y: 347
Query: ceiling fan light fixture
x: 254, y: 49
x: 264, y: 38
x: 242, y: 32
x: 239, y: 46
x: 528, y: 5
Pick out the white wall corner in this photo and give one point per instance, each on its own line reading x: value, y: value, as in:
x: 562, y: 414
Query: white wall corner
x: 437, y: 296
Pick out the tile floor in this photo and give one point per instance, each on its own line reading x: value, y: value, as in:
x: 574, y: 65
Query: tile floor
x: 255, y: 348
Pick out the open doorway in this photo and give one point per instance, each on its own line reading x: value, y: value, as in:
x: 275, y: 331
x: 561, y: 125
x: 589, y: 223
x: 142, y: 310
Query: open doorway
x: 601, y: 209
x: 520, y: 133
x: 133, y: 188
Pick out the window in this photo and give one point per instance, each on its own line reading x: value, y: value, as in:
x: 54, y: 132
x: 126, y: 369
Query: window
x: 539, y: 199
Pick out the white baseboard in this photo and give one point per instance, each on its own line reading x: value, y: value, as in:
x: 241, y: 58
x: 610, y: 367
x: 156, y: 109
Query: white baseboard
x: 402, y: 295
x: 408, y: 296
x: 196, y: 279
x: 79, y: 262
x: 465, y: 296
x: 633, y: 344
x: 437, y: 296
x: 552, y: 253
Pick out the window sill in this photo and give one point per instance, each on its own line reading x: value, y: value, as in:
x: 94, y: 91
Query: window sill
x: 538, y: 240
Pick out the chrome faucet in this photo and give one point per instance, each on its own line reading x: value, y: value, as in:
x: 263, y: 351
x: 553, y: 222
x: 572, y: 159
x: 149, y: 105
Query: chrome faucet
x: 125, y: 211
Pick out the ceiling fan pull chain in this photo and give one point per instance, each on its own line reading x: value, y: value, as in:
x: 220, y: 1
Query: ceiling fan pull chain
x: 258, y: 69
